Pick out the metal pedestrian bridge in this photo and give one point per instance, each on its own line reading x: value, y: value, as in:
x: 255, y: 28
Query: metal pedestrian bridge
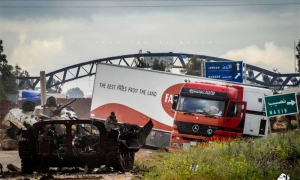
x: 253, y: 74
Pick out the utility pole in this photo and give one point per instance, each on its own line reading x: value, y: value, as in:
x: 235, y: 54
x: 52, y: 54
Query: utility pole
x: 295, y: 56
x: 245, y: 73
x: 202, y: 69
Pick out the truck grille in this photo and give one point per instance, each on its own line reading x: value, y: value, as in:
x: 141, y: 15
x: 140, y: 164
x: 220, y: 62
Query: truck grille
x: 195, y: 129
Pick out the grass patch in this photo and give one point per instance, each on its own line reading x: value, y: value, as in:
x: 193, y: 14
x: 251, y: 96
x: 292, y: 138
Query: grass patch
x: 244, y: 158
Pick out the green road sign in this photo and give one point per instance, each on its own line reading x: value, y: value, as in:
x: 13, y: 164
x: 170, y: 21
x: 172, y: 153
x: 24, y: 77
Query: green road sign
x: 281, y: 104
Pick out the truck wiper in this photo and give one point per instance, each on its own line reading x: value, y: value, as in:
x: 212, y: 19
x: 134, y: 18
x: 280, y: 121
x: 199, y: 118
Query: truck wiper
x: 210, y: 115
x: 187, y: 112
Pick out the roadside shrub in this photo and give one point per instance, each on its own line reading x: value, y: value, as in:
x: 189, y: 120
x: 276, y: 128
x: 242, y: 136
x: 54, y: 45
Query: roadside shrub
x: 243, y: 158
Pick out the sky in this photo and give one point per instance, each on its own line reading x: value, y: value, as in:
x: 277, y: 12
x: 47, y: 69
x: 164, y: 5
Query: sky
x: 44, y: 35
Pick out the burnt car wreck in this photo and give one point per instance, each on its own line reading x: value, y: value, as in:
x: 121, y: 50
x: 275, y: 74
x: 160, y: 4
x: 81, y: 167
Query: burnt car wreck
x: 80, y: 143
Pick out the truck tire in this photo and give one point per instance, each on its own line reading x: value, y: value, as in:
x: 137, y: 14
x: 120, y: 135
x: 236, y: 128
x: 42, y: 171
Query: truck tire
x: 25, y: 154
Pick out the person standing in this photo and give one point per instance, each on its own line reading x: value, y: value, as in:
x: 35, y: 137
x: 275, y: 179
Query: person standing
x: 111, y: 121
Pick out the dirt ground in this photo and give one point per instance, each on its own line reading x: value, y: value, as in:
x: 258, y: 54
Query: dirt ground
x: 12, y: 157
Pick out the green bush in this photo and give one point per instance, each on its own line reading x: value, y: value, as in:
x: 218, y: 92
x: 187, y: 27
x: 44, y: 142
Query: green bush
x: 243, y: 158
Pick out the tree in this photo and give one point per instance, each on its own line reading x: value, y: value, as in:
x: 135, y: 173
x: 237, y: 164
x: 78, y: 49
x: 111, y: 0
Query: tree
x: 298, y: 56
x: 18, y: 72
x: 141, y: 63
x: 75, y: 93
x: 158, y: 65
x: 56, y: 88
x: 194, y: 66
x: 8, y: 83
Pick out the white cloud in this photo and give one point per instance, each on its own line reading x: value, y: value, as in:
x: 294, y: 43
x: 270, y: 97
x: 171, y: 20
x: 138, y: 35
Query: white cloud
x: 63, y: 38
x: 287, y: 14
x: 36, y: 53
x: 271, y: 56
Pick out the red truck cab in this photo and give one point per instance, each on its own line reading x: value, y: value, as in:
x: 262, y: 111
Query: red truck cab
x: 205, y: 112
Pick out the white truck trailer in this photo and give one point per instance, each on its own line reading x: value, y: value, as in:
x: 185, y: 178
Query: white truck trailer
x: 137, y: 95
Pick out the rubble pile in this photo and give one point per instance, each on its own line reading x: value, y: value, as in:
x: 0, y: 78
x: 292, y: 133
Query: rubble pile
x: 280, y: 124
x: 5, y: 105
x: 9, y: 144
x: 5, y: 142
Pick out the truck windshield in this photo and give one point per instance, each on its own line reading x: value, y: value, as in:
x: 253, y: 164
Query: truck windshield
x: 201, y: 106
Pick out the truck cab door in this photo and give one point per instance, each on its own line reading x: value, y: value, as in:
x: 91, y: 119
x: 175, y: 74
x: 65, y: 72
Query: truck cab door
x: 233, y: 122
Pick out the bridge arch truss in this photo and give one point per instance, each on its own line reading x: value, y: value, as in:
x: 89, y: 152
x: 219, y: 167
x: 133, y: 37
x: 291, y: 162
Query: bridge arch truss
x: 254, y: 74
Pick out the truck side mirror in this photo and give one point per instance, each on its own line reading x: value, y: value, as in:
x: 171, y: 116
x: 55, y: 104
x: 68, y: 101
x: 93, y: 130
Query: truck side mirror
x: 175, y: 100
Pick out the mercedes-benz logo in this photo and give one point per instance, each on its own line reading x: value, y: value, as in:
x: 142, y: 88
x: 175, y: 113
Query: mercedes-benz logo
x: 195, y: 128
x: 209, y: 131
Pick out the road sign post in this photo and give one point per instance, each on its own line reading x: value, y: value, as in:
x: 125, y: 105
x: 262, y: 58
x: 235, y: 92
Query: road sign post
x: 227, y: 70
x: 297, y: 124
x: 282, y: 104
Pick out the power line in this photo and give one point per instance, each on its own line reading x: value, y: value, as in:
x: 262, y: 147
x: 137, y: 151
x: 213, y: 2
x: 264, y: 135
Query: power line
x: 148, y: 6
